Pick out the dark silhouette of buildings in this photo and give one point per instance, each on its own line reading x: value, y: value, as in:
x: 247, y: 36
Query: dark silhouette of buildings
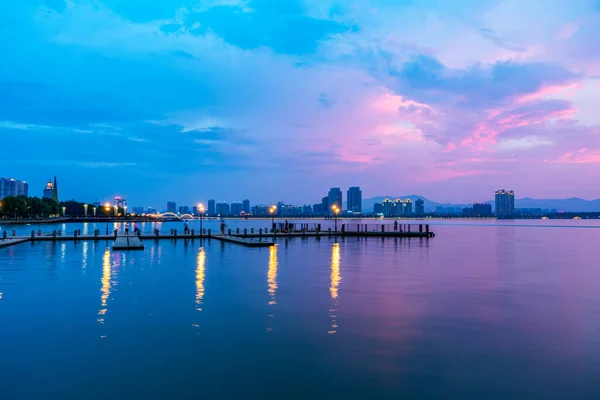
x: 211, y: 208
x: 354, y: 198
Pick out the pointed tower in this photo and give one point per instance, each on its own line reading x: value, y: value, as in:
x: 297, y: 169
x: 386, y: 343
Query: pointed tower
x: 55, y: 190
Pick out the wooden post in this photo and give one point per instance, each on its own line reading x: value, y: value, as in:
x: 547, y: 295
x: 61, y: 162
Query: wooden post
x: 382, y: 228
x: 427, y: 228
x: 237, y: 231
x: 252, y: 230
x: 209, y: 233
x: 343, y: 228
x: 192, y: 232
x: 32, y: 234
x: 420, y: 228
x: 245, y: 232
x: 228, y: 232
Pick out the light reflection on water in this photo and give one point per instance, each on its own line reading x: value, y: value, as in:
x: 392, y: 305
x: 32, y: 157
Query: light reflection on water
x: 486, y: 312
x: 200, y: 271
x: 272, y: 283
x: 105, y: 288
x: 336, y: 278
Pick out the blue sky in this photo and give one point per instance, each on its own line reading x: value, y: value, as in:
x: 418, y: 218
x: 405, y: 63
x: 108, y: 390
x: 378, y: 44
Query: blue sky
x: 279, y: 100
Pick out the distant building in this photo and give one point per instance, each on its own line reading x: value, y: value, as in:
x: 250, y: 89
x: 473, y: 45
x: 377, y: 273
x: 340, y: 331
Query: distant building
x: 317, y: 209
x: 138, y: 210
x: 354, y: 199
x: 246, y: 206
x: 222, y: 208
x: 236, y: 208
x: 211, y: 209
x: 420, y: 207
x: 184, y: 210
x: 396, y: 208
x: 334, y: 197
x: 288, y: 210
x: 388, y: 208
x: 439, y: 210
x: 48, y: 190
x: 120, y: 202
x: 407, y: 207
x: 260, y: 210
x: 171, y: 207
x: 482, y: 210
x: 12, y: 187
x: 307, y: 209
x: 151, y: 210
x: 377, y: 208
x: 324, y: 205
x: 505, y: 203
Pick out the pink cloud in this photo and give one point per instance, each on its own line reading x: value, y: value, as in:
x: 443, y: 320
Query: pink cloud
x: 567, y: 31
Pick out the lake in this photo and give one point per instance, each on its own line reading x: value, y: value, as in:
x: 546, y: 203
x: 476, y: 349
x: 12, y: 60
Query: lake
x: 486, y: 309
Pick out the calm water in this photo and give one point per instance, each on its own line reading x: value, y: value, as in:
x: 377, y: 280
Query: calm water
x: 488, y: 311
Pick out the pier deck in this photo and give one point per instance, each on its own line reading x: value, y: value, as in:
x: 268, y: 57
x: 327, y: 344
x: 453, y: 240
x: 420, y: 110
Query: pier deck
x: 128, y: 242
x: 249, y: 238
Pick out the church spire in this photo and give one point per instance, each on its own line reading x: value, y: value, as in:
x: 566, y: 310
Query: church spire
x: 55, y: 190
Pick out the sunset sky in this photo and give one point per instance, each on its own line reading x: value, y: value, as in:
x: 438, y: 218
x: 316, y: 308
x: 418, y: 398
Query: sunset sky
x: 271, y: 100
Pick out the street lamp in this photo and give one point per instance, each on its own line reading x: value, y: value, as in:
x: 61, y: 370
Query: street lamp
x: 201, y: 211
x: 64, y: 211
x: 107, y: 209
x: 272, y: 210
x: 336, y: 209
x: 85, y: 208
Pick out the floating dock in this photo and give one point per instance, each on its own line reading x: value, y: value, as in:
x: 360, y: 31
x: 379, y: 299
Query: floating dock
x: 128, y: 243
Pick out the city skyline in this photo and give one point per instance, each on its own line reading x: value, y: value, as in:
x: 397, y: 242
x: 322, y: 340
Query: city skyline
x: 226, y: 98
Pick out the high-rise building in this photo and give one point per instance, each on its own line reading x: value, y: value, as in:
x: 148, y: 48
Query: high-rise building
x: 439, y: 209
x: 505, y: 203
x: 260, y: 210
x: 246, y: 206
x: 48, y: 190
x: 55, y: 187
x: 420, y: 207
x: 211, y: 209
x: 120, y: 202
x: 12, y: 187
x: 222, y: 208
x: 171, y: 207
x: 307, y: 209
x: 388, y: 207
x: 354, y: 199
x: 334, y: 197
x: 407, y: 208
x: 325, y: 205
x: 184, y: 210
x: 236, y: 208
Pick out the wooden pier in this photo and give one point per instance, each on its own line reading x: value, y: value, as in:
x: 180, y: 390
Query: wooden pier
x: 245, y: 237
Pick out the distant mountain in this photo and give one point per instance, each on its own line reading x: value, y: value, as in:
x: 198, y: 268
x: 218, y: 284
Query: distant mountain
x: 573, y: 204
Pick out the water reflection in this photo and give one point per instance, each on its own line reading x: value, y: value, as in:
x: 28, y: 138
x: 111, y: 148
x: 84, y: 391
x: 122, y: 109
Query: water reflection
x: 105, y: 289
x: 200, y: 272
x: 272, y: 280
x: 336, y: 278
x: 84, y: 261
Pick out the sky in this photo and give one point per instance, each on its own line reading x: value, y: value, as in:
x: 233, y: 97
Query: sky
x: 279, y: 100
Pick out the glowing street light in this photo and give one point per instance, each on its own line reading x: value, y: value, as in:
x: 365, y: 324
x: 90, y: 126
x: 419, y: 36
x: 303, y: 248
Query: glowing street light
x: 107, y: 209
x: 336, y: 210
x: 272, y: 210
x: 201, y: 211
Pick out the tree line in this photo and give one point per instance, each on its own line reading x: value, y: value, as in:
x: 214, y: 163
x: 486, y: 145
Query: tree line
x: 34, y: 207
